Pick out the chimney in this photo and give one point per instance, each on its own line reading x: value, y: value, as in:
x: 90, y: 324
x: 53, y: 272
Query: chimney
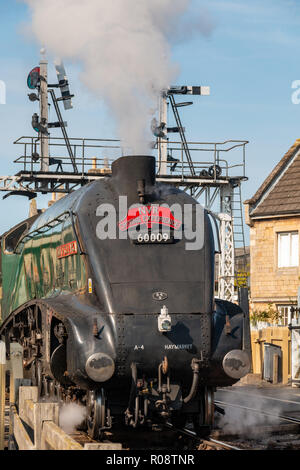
x: 132, y: 176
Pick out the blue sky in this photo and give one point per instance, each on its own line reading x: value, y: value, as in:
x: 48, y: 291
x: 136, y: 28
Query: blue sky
x: 250, y: 59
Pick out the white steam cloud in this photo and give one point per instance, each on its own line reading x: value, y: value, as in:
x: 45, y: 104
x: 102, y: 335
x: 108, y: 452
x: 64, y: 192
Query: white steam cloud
x: 247, y: 422
x: 124, y: 47
x: 70, y: 416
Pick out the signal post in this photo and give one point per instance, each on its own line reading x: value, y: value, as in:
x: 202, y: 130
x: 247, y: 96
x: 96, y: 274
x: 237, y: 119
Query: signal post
x: 44, y: 114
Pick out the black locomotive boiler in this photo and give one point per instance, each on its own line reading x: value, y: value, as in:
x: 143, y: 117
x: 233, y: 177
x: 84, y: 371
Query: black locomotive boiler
x: 114, y: 309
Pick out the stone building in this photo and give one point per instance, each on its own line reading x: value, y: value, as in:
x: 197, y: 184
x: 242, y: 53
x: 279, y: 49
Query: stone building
x: 273, y: 214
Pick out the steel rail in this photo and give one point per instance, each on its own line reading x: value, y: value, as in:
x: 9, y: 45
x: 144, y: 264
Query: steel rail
x: 282, y: 417
x: 223, y: 444
x: 209, y: 440
x: 256, y: 395
x: 82, y: 438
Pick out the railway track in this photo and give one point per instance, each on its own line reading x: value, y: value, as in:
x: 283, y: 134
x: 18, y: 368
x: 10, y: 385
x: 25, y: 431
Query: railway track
x: 156, y: 440
x: 169, y: 437
x: 217, y: 445
x: 204, y: 444
x: 266, y: 413
x: 271, y: 430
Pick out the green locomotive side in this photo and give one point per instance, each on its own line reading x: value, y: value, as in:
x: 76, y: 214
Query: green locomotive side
x: 34, y: 266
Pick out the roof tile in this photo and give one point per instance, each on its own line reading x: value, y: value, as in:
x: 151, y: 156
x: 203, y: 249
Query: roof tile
x: 284, y: 197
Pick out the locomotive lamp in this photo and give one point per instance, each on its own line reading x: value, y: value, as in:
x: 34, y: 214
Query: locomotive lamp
x: 164, y: 321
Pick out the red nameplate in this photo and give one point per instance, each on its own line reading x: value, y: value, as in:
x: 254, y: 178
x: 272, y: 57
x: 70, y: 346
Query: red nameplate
x: 66, y: 250
x: 149, y: 215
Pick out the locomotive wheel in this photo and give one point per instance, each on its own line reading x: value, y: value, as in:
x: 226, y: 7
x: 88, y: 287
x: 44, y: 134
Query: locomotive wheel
x: 209, y: 406
x: 204, y: 420
x: 96, y: 408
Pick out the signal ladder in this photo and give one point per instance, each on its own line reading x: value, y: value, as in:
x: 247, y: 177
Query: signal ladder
x: 238, y: 232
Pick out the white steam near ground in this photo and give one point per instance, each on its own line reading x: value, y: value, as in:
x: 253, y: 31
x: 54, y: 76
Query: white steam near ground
x: 124, y: 49
x: 247, y: 423
x: 71, y: 415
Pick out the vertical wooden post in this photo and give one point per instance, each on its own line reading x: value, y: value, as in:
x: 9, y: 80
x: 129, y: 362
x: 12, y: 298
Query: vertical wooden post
x: 286, y: 354
x: 15, y: 371
x: 43, y: 412
x: 244, y: 304
x: 16, y: 368
x: 26, y: 393
x: 261, y: 354
x: 275, y: 368
x: 2, y: 392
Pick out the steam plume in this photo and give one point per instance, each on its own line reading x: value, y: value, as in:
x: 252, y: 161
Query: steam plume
x: 244, y: 422
x: 124, y: 49
x: 70, y: 416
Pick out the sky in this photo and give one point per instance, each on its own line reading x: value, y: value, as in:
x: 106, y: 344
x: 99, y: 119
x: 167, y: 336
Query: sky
x: 250, y: 58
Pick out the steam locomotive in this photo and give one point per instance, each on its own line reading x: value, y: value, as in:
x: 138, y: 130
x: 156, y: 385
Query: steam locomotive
x: 114, y: 308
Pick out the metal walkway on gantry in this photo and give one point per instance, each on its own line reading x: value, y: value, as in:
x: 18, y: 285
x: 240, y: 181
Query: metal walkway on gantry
x: 213, y: 165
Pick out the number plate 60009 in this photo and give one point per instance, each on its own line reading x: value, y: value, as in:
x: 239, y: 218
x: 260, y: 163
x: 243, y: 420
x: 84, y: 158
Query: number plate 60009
x: 146, y: 238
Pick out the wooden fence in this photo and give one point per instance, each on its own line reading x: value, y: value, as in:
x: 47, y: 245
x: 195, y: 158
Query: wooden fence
x: 280, y: 336
x: 34, y: 425
x: 43, y: 419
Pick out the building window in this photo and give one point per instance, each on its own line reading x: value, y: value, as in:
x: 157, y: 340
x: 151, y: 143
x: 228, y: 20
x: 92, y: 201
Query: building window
x: 288, y: 252
x: 285, y: 315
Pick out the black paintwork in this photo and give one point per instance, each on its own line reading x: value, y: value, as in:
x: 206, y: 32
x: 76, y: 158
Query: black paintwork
x: 126, y: 275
